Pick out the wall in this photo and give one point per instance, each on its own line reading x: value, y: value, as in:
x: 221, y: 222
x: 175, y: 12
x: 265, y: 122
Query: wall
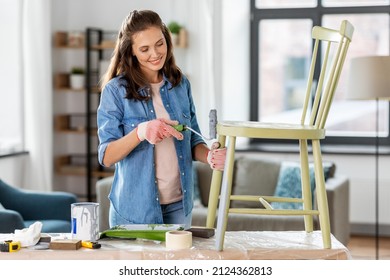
x: 11, y: 169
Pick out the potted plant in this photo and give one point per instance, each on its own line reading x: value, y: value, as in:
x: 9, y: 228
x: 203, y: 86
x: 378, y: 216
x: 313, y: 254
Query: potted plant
x: 174, y: 28
x: 77, y: 78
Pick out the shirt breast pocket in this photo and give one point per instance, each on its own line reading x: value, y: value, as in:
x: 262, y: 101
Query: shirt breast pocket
x: 186, y: 119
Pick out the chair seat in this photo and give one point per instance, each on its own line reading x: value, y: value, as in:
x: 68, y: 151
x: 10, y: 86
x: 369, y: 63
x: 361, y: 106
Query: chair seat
x: 52, y: 226
x: 270, y: 130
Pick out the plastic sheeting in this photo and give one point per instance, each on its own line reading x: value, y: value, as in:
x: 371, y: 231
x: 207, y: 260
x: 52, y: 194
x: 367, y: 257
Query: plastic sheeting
x: 270, y: 245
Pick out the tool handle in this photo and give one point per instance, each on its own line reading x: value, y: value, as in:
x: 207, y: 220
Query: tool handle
x: 90, y: 244
x: 179, y: 127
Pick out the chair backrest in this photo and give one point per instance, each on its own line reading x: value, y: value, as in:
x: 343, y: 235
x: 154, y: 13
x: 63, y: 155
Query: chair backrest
x: 334, y: 48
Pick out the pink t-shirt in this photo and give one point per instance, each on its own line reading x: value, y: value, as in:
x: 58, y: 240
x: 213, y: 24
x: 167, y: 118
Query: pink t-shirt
x: 167, y: 166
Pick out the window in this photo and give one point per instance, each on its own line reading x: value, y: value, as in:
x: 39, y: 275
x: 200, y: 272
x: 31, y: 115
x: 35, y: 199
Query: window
x: 281, y: 49
x: 11, y: 102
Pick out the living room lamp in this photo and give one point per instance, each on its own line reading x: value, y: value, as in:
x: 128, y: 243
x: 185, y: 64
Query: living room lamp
x: 369, y: 80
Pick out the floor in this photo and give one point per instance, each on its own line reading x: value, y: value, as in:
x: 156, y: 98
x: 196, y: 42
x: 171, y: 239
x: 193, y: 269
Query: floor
x: 364, y: 248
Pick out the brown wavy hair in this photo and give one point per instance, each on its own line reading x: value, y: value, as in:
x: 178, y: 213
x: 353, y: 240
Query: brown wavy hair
x: 123, y: 62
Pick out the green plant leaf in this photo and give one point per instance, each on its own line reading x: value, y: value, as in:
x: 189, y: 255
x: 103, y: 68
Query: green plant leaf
x: 174, y: 27
x: 77, y: 70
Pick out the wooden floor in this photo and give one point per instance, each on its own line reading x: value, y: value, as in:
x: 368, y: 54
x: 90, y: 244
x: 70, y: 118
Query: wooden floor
x: 364, y: 248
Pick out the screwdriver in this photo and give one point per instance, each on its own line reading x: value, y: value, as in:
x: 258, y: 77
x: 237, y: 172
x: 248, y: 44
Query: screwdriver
x: 212, y: 126
x: 90, y: 244
x: 182, y: 127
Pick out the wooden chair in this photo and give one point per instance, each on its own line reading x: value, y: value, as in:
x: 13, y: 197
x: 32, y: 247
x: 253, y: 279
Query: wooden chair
x: 335, y: 44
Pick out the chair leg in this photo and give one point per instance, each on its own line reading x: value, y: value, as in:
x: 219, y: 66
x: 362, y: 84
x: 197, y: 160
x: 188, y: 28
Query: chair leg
x: 306, y: 186
x: 215, y: 189
x: 322, y: 199
x: 226, y: 189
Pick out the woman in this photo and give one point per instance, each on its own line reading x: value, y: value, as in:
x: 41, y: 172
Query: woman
x: 144, y: 94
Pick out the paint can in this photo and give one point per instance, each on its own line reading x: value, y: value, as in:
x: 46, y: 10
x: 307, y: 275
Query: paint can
x: 85, y: 221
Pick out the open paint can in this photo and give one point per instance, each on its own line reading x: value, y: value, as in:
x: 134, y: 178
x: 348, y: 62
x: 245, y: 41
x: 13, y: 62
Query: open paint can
x: 85, y: 221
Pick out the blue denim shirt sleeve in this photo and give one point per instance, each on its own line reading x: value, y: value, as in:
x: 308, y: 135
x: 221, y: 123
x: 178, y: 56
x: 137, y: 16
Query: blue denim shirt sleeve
x: 134, y: 193
x: 109, y: 118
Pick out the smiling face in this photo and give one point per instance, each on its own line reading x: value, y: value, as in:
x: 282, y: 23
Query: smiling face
x: 150, y: 48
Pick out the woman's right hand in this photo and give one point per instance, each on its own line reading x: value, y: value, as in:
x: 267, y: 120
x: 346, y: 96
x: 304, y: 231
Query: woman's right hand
x: 157, y: 130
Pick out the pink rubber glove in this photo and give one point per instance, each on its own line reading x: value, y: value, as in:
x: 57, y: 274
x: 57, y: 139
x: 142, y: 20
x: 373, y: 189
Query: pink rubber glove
x: 157, y: 130
x: 216, y: 157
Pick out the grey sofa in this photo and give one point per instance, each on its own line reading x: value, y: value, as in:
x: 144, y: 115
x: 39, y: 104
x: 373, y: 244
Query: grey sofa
x: 255, y: 175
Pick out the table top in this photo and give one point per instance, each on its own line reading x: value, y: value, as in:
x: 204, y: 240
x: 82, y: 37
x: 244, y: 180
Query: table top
x: 266, y: 245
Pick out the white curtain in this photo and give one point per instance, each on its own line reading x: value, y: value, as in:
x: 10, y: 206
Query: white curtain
x: 210, y: 16
x: 204, y: 59
x: 37, y: 93
x: 219, y: 60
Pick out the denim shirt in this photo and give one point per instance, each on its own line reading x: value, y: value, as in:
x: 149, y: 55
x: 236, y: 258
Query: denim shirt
x: 134, y: 193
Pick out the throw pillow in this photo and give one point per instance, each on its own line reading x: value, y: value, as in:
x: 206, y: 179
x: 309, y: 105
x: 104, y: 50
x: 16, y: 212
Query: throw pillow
x: 1, y: 207
x: 289, y: 185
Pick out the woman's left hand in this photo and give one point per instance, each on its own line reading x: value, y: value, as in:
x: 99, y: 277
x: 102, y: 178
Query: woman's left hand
x: 216, y: 157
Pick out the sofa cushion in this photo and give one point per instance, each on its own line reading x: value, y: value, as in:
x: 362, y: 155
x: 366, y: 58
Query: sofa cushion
x: 203, y: 181
x: 289, y: 183
x: 253, y: 176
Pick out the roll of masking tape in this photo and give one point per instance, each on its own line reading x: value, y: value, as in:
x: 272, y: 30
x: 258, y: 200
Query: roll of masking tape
x: 178, y: 239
